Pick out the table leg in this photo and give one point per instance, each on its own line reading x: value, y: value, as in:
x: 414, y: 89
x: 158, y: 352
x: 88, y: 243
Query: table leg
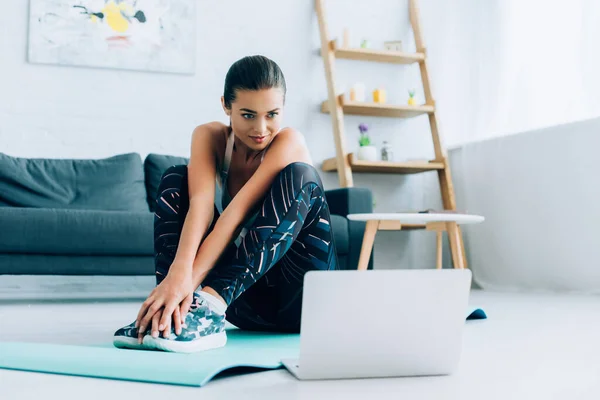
x: 438, y: 264
x: 367, y: 244
x: 455, y: 245
x: 461, y: 238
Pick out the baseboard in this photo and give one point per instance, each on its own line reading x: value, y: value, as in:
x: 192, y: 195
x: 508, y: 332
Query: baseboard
x: 75, y: 287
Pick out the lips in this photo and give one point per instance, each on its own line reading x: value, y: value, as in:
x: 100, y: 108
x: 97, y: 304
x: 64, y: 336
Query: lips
x: 259, y: 139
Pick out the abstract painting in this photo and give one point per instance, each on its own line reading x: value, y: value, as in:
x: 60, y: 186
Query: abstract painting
x: 146, y: 35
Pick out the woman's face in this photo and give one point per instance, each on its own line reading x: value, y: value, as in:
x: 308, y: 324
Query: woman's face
x: 256, y: 116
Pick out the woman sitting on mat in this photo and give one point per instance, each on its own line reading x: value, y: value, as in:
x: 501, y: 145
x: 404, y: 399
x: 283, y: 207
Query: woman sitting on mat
x: 247, y: 240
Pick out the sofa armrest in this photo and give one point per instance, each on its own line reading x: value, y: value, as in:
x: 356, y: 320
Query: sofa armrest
x: 349, y: 201
x: 346, y: 201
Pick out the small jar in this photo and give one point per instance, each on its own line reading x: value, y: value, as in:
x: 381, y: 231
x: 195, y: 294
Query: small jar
x: 379, y: 96
x: 346, y: 43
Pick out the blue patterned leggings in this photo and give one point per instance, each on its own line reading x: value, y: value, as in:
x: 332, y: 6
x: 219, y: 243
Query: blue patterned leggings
x: 262, y: 279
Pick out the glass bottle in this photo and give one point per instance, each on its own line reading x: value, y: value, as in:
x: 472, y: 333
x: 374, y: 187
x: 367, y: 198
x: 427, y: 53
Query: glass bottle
x: 386, y: 152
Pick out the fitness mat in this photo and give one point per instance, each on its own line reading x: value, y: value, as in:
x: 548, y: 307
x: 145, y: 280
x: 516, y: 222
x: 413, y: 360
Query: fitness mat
x: 244, y: 352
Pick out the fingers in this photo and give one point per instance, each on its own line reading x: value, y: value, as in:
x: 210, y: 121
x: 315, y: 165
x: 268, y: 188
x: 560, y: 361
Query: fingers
x: 167, y: 318
x: 167, y: 315
x: 177, y: 321
x: 167, y: 327
x: 143, y: 310
x: 147, y: 318
x: 155, y: 324
x: 185, y: 305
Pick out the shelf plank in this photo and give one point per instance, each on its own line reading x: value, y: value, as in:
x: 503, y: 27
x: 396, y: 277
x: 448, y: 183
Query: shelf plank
x: 379, y: 110
x: 386, y: 167
x: 385, y: 56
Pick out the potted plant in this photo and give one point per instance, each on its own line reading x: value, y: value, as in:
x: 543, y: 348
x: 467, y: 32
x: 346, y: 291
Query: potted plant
x: 411, y: 97
x: 366, y: 151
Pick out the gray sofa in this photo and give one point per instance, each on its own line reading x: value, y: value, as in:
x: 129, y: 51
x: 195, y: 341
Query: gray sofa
x: 95, y: 217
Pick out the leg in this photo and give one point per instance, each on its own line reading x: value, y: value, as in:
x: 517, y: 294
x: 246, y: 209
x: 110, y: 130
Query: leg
x: 438, y: 247
x: 203, y: 326
x: 172, y: 205
x: 367, y: 244
x: 314, y: 249
x: 292, y: 231
x: 461, y: 239
x: 455, y: 247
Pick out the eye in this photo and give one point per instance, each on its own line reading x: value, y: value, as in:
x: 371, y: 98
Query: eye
x: 273, y: 114
x: 247, y: 116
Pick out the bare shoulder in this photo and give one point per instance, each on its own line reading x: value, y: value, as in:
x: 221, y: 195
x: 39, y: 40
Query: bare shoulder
x: 216, y: 130
x: 213, y: 134
x: 291, y: 142
x: 290, y: 133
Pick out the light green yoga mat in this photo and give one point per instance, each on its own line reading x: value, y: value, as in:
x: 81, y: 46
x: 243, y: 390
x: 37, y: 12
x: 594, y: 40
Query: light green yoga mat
x: 243, y: 349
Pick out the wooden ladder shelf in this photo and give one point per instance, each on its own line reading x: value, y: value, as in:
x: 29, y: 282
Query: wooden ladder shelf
x: 337, y: 105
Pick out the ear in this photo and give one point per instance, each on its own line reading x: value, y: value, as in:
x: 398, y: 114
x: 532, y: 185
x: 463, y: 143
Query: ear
x: 227, y: 110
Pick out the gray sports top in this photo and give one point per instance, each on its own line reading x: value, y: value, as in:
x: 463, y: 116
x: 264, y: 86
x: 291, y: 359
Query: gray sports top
x: 222, y: 197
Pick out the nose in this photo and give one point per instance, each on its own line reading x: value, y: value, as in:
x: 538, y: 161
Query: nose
x: 261, y: 127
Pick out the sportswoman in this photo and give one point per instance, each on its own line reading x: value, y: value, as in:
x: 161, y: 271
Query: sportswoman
x: 237, y: 228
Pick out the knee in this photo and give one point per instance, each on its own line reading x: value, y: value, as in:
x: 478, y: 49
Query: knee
x: 174, y: 170
x: 301, y: 172
x: 172, y: 175
x: 174, y: 179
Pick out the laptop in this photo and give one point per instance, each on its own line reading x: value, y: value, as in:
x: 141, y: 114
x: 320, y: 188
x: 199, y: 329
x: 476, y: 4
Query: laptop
x: 381, y: 323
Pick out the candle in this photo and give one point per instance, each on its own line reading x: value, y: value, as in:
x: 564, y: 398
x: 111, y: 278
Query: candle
x: 346, y: 43
x: 357, y: 92
x: 379, y: 95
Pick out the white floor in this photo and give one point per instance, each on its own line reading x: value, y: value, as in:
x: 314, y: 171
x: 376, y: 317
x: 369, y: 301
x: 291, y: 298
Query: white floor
x: 531, y: 347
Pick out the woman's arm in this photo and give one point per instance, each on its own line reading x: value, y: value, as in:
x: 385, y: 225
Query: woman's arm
x: 288, y: 146
x: 175, y: 291
x: 201, y: 185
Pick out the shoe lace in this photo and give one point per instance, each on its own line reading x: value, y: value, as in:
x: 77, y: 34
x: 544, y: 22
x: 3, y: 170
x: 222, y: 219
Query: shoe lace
x: 197, y: 301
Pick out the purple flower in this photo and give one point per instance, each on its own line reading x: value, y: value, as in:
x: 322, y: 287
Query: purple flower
x: 363, y: 128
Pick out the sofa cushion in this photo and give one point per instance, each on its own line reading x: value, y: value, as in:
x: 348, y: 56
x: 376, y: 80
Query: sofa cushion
x: 339, y: 225
x: 96, y: 232
x: 58, y: 265
x: 154, y: 167
x: 115, y: 183
x: 81, y: 232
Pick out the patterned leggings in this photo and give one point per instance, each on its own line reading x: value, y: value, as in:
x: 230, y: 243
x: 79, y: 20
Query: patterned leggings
x: 262, y: 279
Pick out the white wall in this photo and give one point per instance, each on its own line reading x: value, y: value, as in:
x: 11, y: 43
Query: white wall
x: 539, y: 191
x: 86, y: 112
x: 64, y: 112
x: 534, y: 65
x: 525, y: 155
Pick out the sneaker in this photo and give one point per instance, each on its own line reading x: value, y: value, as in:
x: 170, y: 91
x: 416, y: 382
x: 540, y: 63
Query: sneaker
x: 127, y: 338
x: 203, y: 329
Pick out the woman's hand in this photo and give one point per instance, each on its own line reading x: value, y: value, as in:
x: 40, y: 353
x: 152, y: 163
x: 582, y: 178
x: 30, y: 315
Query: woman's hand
x: 168, y: 301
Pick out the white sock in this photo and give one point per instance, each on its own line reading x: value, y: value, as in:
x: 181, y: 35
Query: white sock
x: 215, y: 304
